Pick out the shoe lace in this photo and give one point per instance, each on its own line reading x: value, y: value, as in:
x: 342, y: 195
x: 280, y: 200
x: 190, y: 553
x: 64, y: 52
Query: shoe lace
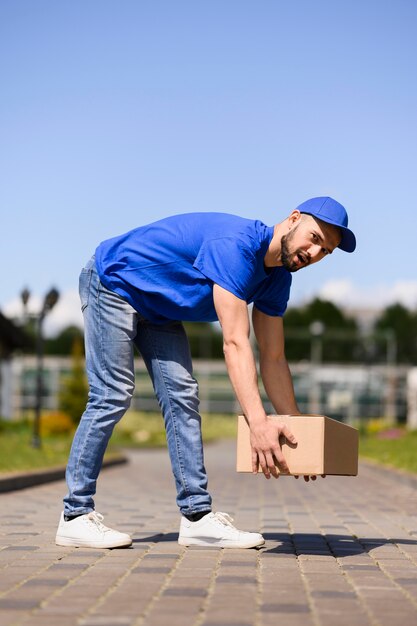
x: 224, y: 518
x: 97, y: 519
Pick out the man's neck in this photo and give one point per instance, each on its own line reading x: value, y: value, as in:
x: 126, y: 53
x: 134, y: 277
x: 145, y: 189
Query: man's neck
x: 273, y: 254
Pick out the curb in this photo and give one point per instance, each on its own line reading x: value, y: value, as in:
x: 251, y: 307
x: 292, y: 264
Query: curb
x: 22, y: 480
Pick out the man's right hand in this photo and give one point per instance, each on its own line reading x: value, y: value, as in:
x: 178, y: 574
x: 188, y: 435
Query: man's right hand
x: 266, y: 448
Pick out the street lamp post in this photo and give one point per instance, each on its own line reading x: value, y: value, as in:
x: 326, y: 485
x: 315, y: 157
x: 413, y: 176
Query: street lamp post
x: 391, y: 390
x: 317, y: 329
x: 49, y: 302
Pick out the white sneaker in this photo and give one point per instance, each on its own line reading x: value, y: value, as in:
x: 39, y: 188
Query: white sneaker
x: 216, y: 530
x: 88, y: 531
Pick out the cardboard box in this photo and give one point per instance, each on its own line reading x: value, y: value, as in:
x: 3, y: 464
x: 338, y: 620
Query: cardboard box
x: 324, y: 446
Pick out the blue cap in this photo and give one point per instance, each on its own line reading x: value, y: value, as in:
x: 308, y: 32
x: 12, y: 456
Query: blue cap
x: 330, y: 211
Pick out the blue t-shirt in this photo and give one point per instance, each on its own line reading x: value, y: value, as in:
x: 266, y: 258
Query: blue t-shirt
x: 166, y: 270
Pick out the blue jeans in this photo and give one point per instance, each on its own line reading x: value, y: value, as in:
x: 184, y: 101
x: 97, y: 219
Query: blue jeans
x: 112, y: 329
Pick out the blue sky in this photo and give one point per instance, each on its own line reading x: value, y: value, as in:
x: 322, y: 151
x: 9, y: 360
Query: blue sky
x: 117, y: 113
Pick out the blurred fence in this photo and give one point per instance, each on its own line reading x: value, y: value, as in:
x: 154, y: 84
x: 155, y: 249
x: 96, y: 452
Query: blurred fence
x: 345, y: 392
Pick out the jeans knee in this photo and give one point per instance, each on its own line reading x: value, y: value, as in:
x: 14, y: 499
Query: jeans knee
x: 187, y: 394
x: 122, y: 396
x: 187, y: 384
x: 111, y: 398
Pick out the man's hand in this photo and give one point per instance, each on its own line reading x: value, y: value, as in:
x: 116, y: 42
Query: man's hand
x: 313, y: 477
x: 266, y: 449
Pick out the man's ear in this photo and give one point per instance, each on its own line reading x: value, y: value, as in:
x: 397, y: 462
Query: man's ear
x: 294, y: 218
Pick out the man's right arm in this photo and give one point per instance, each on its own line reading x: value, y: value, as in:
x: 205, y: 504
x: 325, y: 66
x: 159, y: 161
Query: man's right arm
x: 240, y: 361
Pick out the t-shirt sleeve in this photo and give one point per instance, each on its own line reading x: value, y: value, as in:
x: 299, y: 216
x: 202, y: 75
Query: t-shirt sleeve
x: 228, y: 262
x: 272, y: 299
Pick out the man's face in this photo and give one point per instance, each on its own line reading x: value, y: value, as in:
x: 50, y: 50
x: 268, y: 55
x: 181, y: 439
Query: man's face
x: 307, y: 242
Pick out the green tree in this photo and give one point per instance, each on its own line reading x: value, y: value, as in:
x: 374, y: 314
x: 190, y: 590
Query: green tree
x: 62, y: 344
x: 339, y: 339
x: 74, y: 390
x: 402, y: 323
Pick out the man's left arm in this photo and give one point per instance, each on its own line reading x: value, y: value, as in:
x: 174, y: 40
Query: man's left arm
x: 276, y: 376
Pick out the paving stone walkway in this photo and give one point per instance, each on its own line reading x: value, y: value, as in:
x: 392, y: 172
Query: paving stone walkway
x: 340, y: 551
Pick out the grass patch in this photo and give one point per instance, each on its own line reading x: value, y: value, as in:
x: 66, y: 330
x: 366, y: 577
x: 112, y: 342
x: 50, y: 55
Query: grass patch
x: 17, y: 453
x: 392, y: 447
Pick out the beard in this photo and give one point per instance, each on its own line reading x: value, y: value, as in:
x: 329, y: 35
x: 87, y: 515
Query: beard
x: 287, y: 257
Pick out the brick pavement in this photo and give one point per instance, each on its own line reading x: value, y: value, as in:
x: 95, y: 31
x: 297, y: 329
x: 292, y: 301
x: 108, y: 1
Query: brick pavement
x: 338, y: 551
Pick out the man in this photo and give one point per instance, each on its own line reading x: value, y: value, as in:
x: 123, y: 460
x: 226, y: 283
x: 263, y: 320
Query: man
x: 136, y: 291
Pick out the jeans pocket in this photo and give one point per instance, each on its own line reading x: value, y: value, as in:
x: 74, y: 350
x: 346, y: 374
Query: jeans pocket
x: 84, y: 284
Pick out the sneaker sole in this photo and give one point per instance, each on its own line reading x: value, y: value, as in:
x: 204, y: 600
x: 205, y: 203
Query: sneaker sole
x: 70, y: 542
x: 220, y: 544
